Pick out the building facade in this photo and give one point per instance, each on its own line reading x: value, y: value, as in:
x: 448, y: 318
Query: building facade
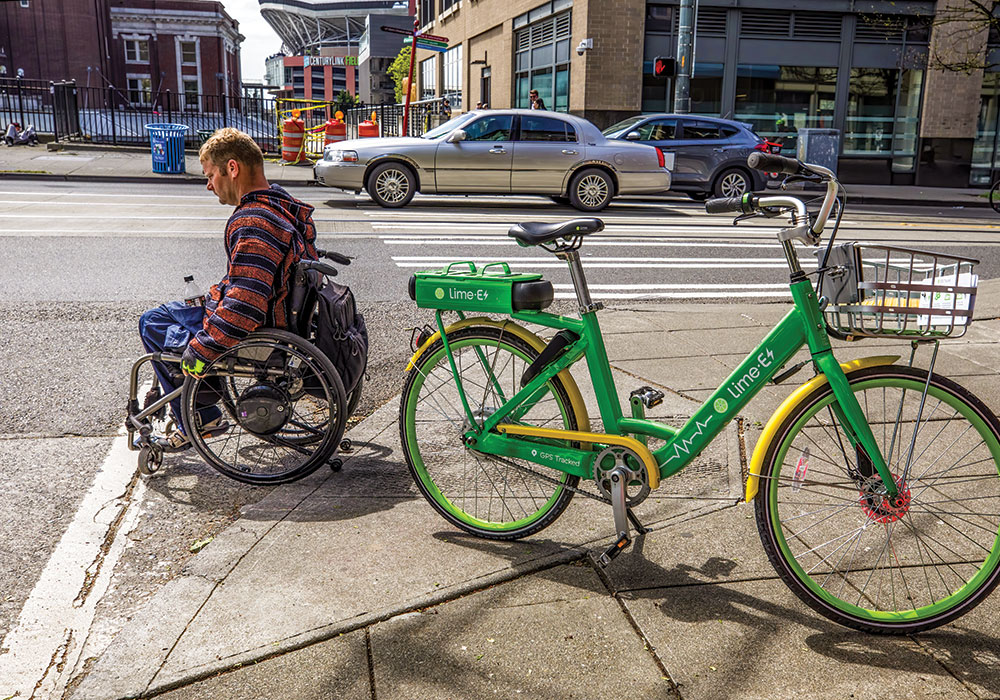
x: 141, y: 47
x: 189, y: 47
x: 811, y: 63
x: 320, y: 77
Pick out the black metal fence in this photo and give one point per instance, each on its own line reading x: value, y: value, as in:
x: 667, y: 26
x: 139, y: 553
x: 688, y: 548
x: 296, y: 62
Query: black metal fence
x: 114, y: 116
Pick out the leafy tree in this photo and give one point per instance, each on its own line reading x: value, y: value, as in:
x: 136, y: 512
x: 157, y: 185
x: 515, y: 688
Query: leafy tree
x: 961, y: 30
x: 345, y: 100
x: 399, y: 70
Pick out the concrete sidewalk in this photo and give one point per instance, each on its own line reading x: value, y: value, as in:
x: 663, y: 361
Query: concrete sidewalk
x: 348, y: 585
x: 134, y: 164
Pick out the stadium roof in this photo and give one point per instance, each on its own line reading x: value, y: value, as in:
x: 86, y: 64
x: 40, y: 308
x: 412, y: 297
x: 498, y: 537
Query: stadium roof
x: 303, y: 24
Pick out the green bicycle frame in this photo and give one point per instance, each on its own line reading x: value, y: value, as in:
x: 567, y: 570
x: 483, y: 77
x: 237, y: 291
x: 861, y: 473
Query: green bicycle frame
x: 803, y: 325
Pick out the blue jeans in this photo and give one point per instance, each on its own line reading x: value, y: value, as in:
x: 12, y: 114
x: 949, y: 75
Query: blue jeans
x: 169, y: 328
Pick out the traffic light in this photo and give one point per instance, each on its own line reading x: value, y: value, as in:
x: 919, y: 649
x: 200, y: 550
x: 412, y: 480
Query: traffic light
x: 664, y: 67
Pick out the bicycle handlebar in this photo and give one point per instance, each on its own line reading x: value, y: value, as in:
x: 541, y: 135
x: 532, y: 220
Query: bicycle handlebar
x: 744, y: 204
x: 772, y: 163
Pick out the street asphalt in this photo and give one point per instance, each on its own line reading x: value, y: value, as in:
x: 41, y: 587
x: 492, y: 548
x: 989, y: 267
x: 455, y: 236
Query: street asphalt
x: 349, y: 585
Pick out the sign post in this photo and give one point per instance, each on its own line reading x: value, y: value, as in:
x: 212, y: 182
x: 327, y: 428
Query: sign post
x: 416, y: 41
x: 409, y: 83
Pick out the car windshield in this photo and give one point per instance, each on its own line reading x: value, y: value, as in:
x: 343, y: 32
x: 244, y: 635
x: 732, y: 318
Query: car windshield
x: 448, y: 126
x: 621, y: 127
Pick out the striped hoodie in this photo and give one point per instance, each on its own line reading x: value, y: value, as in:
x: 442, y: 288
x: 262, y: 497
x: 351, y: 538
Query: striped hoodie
x: 259, y: 235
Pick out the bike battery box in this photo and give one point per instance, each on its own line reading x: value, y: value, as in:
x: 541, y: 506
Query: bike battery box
x: 493, y: 288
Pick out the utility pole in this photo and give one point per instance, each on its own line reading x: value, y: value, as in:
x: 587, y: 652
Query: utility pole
x: 685, y: 49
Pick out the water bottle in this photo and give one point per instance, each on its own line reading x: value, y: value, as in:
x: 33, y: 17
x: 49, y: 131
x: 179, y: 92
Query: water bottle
x: 193, y: 296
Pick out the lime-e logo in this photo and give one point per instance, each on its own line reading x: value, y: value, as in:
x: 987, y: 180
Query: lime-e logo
x: 439, y: 293
x: 720, y: 406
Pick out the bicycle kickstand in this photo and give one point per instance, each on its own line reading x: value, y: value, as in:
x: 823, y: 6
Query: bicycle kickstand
x: 622, y: 514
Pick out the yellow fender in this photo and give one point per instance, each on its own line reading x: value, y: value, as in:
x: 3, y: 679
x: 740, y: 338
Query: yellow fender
x: 786, y: 407
x: 508, y: 326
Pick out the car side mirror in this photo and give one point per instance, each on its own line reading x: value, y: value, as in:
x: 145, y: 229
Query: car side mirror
x: 632, y: 136
x: 457, y: 135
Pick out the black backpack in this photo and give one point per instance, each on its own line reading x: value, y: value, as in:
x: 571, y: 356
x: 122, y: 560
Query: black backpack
x: 339, y: 331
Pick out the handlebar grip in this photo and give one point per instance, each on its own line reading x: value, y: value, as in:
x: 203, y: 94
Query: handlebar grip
x: 336, y: 257
x: 327, y: 270
x: 724, y: 205
x: 771, y: 163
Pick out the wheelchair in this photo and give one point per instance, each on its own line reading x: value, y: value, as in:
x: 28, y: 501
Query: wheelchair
x: 282, y: 402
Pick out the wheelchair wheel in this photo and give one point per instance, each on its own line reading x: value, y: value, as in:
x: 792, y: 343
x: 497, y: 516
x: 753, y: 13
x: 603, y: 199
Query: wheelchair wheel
x: 282, y: 405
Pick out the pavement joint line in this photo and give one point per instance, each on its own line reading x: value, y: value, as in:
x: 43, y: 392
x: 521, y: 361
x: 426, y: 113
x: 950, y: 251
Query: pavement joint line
x: 650, y: 382
x: 647, y: 645
x: 327, y: 632
x: 941, y: 662
x: 61, y: 607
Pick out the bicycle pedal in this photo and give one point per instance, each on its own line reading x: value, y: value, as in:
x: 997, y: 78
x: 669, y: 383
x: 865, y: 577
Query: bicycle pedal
x: 614, y: 550
x: 650, y: 397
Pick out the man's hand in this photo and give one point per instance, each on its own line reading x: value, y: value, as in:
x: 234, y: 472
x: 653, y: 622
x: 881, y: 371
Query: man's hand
x: 191, y: 364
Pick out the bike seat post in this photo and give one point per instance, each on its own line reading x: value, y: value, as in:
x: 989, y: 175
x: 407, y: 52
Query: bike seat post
x: 572, y: 258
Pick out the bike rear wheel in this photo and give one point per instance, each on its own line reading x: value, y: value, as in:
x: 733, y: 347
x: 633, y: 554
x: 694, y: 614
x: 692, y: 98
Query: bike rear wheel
x: 486, y: 496
x: 995, y: 196
x: 892, y: 566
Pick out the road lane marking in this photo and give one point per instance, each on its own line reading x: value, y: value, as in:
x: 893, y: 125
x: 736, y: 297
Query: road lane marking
x: 44, y: 645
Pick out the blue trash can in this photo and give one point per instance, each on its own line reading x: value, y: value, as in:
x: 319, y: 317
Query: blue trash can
x: 166, y: 141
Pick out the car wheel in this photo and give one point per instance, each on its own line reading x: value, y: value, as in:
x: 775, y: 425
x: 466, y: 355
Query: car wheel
x: 732, y: 183
x: 559, y: 199
x: 391, y: 185
x: 591, y: 190
x: 699, y: 196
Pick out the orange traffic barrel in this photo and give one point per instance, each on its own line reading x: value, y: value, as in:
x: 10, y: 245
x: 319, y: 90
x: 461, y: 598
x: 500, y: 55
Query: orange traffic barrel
x: 367, y: 129
x: 292, y: 131
x: 336, y: 130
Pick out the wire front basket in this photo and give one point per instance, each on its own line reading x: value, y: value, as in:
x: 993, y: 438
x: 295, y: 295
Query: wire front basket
x: 880, y: 291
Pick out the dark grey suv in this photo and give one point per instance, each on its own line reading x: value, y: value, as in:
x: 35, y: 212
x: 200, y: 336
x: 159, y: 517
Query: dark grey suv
x: 710, y: 154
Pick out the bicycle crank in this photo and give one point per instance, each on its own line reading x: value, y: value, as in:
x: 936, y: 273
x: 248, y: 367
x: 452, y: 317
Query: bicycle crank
x: 621, y: 476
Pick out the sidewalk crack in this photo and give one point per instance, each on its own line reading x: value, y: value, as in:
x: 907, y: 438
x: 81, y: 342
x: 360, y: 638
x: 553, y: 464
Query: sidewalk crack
x: 673, y: 691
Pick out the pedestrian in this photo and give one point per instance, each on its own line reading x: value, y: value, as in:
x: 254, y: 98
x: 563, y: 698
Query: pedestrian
x: 445, y: 108
x: 536, y: 101
x: 267, y: 234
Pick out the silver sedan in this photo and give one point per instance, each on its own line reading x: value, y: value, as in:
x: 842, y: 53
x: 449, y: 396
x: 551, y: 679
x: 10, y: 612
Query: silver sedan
x: 512, y: 151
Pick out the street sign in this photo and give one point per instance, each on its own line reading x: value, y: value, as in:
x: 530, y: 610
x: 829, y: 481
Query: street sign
x: 396, y: 30
x: 432, y: 37
x: 426, y: 42
x: 428, y: 46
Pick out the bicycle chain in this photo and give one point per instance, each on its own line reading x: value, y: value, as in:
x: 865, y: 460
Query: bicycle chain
x: 551, y: 480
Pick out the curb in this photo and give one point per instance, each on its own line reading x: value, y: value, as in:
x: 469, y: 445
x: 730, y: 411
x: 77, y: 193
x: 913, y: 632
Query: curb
x: 145, y: 179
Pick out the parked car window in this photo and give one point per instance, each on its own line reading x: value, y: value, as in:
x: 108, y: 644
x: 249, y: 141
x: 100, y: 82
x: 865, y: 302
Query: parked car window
x: 729, y: 131
x: 701, y: 130
x: 495, y: 127
x: 546, y: 129
x: 448, y: 127
x: 658, y: 130
x: 621, y: 128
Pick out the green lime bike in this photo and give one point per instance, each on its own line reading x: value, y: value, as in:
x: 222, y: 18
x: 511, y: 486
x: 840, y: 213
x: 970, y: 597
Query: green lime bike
x: 876, y: 484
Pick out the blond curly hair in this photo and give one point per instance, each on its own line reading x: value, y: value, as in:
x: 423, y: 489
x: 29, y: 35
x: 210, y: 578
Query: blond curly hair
x: 231, y: 144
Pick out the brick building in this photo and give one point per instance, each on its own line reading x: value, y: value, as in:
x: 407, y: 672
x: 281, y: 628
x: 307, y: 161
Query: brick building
x: 863, y: 70
x: 142, y: 47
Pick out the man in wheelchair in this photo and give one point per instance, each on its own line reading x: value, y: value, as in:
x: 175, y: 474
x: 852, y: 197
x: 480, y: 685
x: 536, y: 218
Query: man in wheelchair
x: 267, y: 234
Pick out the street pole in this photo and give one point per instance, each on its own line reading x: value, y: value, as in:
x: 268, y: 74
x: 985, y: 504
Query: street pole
x: 685, y: 44
x: 409, y: 81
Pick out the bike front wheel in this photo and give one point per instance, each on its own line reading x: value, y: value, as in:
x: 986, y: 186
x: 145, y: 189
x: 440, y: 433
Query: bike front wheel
x: 995, y: 196
x: 879, y: 564
x: 495, y: 498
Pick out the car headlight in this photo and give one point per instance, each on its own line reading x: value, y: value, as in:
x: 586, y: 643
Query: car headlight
x: 338, y: 156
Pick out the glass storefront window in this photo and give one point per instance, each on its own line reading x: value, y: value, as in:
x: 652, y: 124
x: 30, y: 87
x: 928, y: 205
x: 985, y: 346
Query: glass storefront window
x: 883, y: 111
x: 985, y: 151
x: 706, y: 90
x: 542, y: 62
x: 778, y: 100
